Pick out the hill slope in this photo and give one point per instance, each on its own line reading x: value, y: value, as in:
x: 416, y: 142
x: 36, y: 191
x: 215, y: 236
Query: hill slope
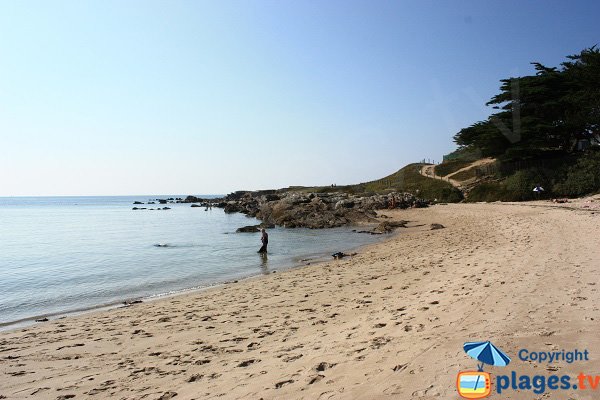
x: 407, y: 179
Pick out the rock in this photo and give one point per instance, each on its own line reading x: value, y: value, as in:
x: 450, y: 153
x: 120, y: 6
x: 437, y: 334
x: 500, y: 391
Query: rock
x: 389, y: 226
x: 137, y: 202
x: 248, y: 229
x: 165, y: 208
x: 232, y: 207
x: 436, y: 226
x: 340, y: 255
x: 42, y: 320
x: 309, y: 210
x: 345, y: 204
x: 131, y: 302
x: 135, y: 208
x: 195, y: 205
x: 192, y: 199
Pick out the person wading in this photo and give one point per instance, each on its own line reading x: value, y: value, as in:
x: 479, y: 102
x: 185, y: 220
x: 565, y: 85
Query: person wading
x: 264, y: 238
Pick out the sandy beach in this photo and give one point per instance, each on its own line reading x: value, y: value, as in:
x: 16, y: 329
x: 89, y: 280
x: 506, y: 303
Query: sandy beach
x: 389, y: 322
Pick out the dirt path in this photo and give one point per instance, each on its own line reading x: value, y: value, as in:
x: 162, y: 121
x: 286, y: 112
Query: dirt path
x: 429, y: 172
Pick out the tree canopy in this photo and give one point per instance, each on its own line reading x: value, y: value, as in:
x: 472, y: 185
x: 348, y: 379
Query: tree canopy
x: 548, y: 111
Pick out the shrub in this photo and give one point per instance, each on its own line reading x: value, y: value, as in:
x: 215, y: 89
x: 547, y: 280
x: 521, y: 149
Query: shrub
x: 581, y: 178
x: 449, y: 167
x: 489, y: 191
x: 520, y: 184
x: 466, y: 174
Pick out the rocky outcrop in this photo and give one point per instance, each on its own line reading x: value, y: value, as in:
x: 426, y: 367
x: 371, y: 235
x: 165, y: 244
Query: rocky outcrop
x: 310, y: 210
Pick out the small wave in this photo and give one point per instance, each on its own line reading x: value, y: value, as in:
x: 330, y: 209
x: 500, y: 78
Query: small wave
x: 180, y: 245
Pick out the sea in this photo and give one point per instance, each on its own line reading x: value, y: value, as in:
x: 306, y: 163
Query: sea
x: 65, y: 255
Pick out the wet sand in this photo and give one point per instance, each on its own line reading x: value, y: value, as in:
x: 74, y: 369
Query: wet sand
x: 387, y: 323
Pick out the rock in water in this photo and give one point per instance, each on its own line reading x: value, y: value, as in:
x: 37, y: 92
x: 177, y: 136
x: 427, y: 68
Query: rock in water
x: 248, y: 229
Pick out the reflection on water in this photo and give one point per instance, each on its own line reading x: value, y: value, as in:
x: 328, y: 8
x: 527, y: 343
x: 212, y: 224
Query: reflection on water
x: 264, y: 263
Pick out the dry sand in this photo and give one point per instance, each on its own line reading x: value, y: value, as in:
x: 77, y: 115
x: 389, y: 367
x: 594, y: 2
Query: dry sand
x: 387, y: 323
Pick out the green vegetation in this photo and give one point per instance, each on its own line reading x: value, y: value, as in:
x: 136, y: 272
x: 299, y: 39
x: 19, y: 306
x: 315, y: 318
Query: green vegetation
x: 448, y: 167
x: 465, y: 175
x: 554, y: 109
x: 407, y: 179
x: 489, y: 191
x: 545, y: 132
x: 465, y: 153
x: 567, y: 176
x: 581, y: 178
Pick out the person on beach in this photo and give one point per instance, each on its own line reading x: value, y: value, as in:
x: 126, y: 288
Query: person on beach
x: 264, y: 238
x: 538, y: 190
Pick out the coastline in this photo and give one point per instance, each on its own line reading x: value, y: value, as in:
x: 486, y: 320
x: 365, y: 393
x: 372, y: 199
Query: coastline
x: 387, y: 323
x: 294, y: 262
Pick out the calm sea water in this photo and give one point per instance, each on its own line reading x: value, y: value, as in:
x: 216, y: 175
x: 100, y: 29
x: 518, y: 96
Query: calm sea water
x: 66, y: 254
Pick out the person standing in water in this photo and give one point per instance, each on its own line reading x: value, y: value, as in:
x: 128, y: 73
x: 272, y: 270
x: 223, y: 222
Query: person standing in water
x: 264, y: 238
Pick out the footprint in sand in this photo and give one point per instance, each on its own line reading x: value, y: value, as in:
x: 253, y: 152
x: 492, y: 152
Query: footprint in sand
x: 195, y: 378
x: 246, y: 363
x: 315, y: 379
x: 279, y: 385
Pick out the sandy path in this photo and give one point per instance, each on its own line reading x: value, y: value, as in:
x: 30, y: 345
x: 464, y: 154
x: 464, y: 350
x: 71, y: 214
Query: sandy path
x: 429, y: 172
x: 388, y: 323
x: 478, y: 163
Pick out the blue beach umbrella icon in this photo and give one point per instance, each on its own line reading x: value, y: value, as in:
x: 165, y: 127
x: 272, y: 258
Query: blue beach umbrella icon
x: 486, y: 353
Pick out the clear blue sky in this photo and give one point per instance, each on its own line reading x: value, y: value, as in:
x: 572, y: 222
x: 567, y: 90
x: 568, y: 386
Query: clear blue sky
x: 158, y: 97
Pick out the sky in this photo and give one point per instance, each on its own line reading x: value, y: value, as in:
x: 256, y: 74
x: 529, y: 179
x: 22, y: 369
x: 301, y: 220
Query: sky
x: 207, y: 97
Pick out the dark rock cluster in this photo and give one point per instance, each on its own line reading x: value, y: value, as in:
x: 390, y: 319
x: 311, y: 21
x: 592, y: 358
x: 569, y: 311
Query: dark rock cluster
x: 310, y: 210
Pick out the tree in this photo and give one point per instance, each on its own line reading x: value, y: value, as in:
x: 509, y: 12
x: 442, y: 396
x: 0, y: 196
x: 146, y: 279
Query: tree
x: 548, y: 111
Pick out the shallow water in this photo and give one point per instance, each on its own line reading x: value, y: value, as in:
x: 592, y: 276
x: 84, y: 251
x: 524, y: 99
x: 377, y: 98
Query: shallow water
x: 61, y: 254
